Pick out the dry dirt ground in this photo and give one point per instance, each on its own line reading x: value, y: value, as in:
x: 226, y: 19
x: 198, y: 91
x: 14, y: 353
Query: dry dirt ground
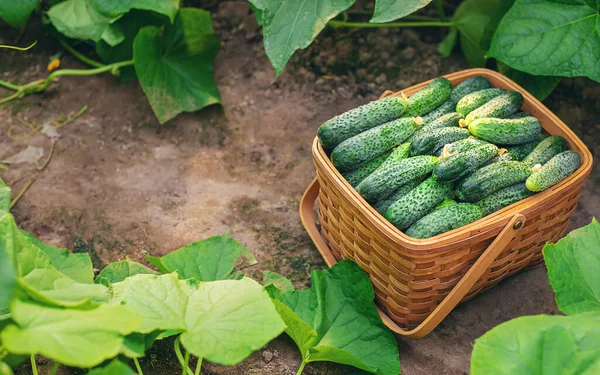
x: 119, y: 184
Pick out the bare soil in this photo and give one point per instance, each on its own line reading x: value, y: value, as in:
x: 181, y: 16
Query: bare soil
x: 119, y: 184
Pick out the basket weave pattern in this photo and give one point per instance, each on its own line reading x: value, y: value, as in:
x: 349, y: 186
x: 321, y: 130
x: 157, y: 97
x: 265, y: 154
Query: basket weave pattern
x: 411, y: 277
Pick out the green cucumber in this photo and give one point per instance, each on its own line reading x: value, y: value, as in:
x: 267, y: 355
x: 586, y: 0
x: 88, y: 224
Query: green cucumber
x: 506, y: 131
x: 355, y: 176
x: 445, y: 121
x: 459, y: 146
x: 545, y: 150
x: 503, y: 197
x: 399, y: 153
x: 361, y: 148
x: 445, y: 203
x: 519, y: 114
x: 427, y: 143
x: 360, y: 119
x: 519, y: 152
x: 492, y: 178
x: 428, y: 98
x: 506, y: 156
x: 446, y: 107
x: 476, y: 99
x: 444, y: 220
x: 388, y: 179
x: 555, y: 170
x: 417, y: 203
x: 461, y: 164
x: 501, y: 106
x: 467, y: 86
x: 383, y: 204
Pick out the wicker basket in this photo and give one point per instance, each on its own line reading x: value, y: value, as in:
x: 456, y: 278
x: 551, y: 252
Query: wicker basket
x: 418, y: 282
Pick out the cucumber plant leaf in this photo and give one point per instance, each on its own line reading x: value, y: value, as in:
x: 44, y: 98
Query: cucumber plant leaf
x: 136, y: 344
x: 4, y: 198
x: 390, y: 10
x: 16, y: 13
x: 237, y: 312
x: 573, y: 264
x: 77, y: 19
x: 111, y: 8
x: 213, y: 258
x: 292, y: 25
x: 336, y: 320
x: 68, y: 336
x: 115, y: 367
x: 175, y: 64
x: 119, y: 271
x: 550, y: 38
x: 540, y: 344
x: 5, y: 369
x: 539, y: 86
x: 7, y: 281
x: 280, y: 282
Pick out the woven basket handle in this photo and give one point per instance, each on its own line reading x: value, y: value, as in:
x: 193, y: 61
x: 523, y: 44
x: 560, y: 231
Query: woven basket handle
x: 452, y: 299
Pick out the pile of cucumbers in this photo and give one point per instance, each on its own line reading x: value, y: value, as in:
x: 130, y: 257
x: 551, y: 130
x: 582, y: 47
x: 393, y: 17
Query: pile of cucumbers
x: 445, y: 156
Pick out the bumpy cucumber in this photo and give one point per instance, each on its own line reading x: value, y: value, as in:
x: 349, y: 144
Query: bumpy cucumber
x: 545, y: 150
x: 506, y: 131
x: 461, y: 164
x: 503, y: 197
x: 399, y: 153
x: 492, y: 178
x: 357, y: 120
x: 476, y: 99
x: 519, y: 152
x: 467, y: 86
x: 501, y: 106
x: 429, y: 97
x: 394, y: 175
x: 519, y: 114
x: 506, y: 156
x: 446, y: 107
x: 445, y: 203
x: 355, y: 176
x: 417, y: 203
x: 445, y: 121
x: 383, y: 204
x: 444, y: 220
x: 555, y: 170
x: 366, y: 146
x: 459, y: 146
x: 427, y: 143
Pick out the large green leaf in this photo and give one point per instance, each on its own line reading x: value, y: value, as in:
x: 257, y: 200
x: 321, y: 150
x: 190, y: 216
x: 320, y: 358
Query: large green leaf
x: 7, y: 281
x: 532, y: 345
x: 115, y: 367
x: 336, y: 320
x: 4, y: 198
x: 292, y: 25
x: 222, y: 321
x: 78, y: 19
x: 280, y: 282
x: 573, y: 264
x: 5, y: 369
x: 81, y: 338
x: 119, y: 271
x: 175, y: 64
x: 390, y: 10
x: 112, y: 8
x: 211, y: 259
x: 16, y: 12
x: 551, y: 38
x: 539, y: 86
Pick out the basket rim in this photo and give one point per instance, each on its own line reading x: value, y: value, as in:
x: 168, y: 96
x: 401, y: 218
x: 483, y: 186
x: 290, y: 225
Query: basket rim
x: 490, y: 223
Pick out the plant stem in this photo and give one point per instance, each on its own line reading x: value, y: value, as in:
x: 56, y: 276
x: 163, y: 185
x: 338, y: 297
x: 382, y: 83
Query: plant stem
x: 84, y: 59
x: 23, y: 190
x: 198, y: 366
x: 55, y: 366
x: 180, y: 358
x: 336, y: 24
x: 9, y: 85
x: 11, y: 97
x: 18, y: 48
x: 186, y: 361
x: 137, y: 366
x: 72, y: 118
x: 301, y: 367
x: 33, y: 365
x: 440, y: 7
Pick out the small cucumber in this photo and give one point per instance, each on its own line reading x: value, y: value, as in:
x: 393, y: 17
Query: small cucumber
x: 427, y: 143
x: 519, y: 114
x: 361, y: 148
x: 444, y: 220
x: 445, y: 203
x: 545, y: 150
x: 445, y: 121
x: 506, y: 131
x: 501, y: 106
x: 476, y: 99
x: 503, y: 197
x: 417, y: 203
x: 467, y: 86
x: 382, y: 205
x: 519, y: 152
x: 555, y: 170
x: 459, y: 146
x: 446, y: 107
x: 506, y: 156
x: 360, y: 119
x: 388, y: 179
x: 461, y: 164
x: 492, y: 178
x: 355, y: 176
x: 428, y: 98
x: 399, y: 153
